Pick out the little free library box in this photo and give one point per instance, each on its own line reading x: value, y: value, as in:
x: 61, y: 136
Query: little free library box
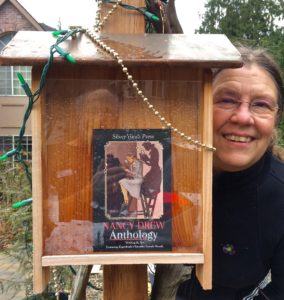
x: 122, y: 148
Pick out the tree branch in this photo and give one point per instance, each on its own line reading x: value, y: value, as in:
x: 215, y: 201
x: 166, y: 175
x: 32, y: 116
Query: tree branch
x: 167, y: 280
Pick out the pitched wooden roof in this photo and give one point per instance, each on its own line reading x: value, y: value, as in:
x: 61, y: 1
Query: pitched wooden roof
x: 201, y: 50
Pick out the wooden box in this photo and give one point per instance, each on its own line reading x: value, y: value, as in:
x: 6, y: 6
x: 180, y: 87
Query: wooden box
x: 175, y: 74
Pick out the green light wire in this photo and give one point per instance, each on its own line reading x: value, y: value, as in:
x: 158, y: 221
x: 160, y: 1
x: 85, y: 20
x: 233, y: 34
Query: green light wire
x: 62, y: 36
x: 22, y: 203
x: 142, y: 10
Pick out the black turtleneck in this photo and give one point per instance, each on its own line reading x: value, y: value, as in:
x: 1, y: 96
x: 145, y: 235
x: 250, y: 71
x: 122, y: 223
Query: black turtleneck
x: 248, y: 234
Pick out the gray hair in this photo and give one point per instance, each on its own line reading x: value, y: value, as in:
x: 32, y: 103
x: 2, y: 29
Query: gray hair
x: 264, y: 60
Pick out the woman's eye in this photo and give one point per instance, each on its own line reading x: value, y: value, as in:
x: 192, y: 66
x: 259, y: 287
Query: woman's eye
x: 226, y: 102
x: 262, y: 104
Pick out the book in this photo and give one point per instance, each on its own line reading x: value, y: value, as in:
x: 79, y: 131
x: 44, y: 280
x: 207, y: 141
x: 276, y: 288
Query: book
x: 131, y: 178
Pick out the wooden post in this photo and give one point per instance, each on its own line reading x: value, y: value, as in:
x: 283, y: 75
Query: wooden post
x: 124, y: 20
x: 121, y: 281
x: 204, y: 271
x: 125, y: 282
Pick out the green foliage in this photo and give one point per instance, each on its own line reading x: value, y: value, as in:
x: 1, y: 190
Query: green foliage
x: 248, y: 19
x: 16, y: 234
x: 253, y: 22
x: 15, y: 225
x: 14, y: 187
x: 281, y: 134
x: 46, y: 295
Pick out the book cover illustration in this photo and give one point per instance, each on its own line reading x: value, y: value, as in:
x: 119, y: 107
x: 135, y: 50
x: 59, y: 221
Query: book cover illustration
x: 131, y: 174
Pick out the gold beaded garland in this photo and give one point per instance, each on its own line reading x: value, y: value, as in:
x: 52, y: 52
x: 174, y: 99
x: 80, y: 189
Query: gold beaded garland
x: 98, y: 22
x: 98, y: 26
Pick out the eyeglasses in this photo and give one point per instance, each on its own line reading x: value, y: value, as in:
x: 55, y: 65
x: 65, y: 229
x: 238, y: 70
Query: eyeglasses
x: 259, y: 108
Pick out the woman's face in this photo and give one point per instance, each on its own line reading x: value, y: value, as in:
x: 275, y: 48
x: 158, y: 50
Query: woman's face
x: 242, y: 137
x: 130, y: 158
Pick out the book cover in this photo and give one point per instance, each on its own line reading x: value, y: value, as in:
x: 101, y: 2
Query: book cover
x: 131, y: 176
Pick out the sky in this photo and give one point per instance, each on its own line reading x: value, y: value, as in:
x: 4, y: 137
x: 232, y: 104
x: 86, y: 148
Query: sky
x: 68, y: 12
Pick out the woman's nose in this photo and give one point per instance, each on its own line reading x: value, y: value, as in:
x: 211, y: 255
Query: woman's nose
x: 243, y: 114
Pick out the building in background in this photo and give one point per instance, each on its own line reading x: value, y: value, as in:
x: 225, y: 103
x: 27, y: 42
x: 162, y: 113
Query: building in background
x: 13, y: 101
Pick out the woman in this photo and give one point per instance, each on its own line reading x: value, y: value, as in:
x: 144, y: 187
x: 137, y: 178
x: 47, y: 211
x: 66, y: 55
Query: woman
x: 248, y: 184
x: 131, y: 186
x: 152, y: 179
